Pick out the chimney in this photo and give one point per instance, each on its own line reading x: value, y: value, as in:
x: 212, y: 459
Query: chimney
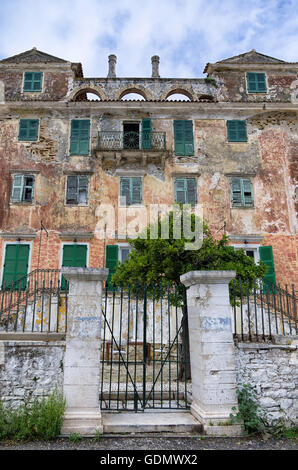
x: 155, y: 66
x: 112, y: 66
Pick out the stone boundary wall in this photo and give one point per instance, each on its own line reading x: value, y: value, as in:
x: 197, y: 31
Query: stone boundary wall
x: 272, y: 369
x: 31, y: 366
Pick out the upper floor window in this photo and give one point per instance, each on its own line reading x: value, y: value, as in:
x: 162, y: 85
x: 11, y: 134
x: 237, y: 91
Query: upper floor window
x: 22, y: 188
x: 256, y: 82
x: 237, y: 131
x: 80, y: 137
x: 28, y: 130
x: 186, y: 190
x: 183, y: 135
x: 77, y: 190
x: 32, y: 81
x: 241, y: 192
x: 130, y: 190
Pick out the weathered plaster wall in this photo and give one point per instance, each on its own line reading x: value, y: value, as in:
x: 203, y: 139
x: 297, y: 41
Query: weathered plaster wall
x: 30, y: 369
x: 272, y: 370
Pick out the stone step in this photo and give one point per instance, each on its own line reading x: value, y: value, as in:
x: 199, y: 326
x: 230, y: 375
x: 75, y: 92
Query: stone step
x: 83, y: 421
x: 146, y: 422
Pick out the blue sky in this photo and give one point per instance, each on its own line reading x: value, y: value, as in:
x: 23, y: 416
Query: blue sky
x: 186, y: 34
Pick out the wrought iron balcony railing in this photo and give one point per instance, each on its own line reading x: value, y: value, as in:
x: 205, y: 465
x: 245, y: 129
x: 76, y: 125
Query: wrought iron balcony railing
x: 113, y: 140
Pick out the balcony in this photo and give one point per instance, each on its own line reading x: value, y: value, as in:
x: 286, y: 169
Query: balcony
x: 131, y: 141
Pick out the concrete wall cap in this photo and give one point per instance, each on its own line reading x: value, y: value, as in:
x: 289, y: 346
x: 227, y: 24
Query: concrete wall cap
x: 86, y: 274
x: 207, y: 277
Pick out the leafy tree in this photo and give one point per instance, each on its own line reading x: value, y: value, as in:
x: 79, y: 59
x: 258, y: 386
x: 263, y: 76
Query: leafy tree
x: 160, y: 262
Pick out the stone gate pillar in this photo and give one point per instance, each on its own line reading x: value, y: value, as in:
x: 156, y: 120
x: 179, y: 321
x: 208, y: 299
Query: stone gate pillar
x: 82, y: 355
x: 212, y: 356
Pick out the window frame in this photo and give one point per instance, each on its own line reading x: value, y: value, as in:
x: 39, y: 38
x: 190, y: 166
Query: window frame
x: 249, y: 247
x: 256, y: 91
x: 242, y: 205
x: 185, y: 188
x: 27, y: 139
x: 89, y: 139
x: 176, y: 142
x: 121, y: 202
x: 21, y: 242
x: 32, y: 90
x: 73, y: 204
x: 23, y: 186
x: 237, y: 139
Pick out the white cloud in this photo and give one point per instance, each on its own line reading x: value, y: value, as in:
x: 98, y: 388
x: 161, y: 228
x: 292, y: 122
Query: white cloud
x: 186, y: 34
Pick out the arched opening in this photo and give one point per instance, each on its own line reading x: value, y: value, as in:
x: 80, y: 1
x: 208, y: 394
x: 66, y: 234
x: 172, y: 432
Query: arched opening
x: 179, y: 95
x: 87, y: 95
x: 206, y: 98
x: 133, y: 94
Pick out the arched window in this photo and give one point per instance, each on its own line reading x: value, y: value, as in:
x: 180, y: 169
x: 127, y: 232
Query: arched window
x: 179, y: 95
x: 133, y: 96
x: 87, y: 95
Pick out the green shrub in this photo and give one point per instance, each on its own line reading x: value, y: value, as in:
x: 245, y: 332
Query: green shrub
x: 40, y: 419
x: 250, y: 415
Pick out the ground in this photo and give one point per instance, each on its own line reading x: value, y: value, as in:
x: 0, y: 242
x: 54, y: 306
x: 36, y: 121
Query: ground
x: 156, y: 443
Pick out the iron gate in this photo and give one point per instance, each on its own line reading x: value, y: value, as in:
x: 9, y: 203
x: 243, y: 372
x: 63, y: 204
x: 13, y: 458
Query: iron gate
x: 144, y: 349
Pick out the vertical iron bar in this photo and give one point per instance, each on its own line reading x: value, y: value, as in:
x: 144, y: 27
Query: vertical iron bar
x: 26, y: 305
x: 120, y: 342
x: 144, y: 345
x: 177, y: 347
x: 153, y: 341
x: 169, y: 333
x: 248, y: 309
x: 185, y: 321
x: 162, y: 344
x: 268, y: 311
x: 234, y: 307
x: 241, y: 308
x: 135, y: 351
x: 112, y: 348
x: 18, y: 307
x: 10, y: 304
x: 294, y: 308
x: 255, y: 304
x: 34, y: 306
x: 59, y: 302
x: 127, y: 347
x: 262, y: 310
x: 274, y: 306
x: 288, y: 312
x: 103, y: 347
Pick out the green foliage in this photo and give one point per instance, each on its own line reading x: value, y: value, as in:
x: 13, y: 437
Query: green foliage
x: 281, y: 431
x: 160, y: 262
x: 250, y: 415
x: 40, y: 419
x: 75, y: 437
x: 98, y: 436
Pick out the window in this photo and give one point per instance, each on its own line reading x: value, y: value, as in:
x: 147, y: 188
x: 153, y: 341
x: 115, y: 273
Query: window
x: 185, y: 190
x: 237, y: 131
x: 28, y: 130
x: 80, y: 137
x: 136, y: 136
x: 241, y: 192
x: 32, y: 81
x: 114, y: 254
x: 74, y: 256
x: 130, y: 190
x: 15, y: 265
x: 77, y: 190
x: 256, y: 82
x: 183, y: 135
x: 22, y: 188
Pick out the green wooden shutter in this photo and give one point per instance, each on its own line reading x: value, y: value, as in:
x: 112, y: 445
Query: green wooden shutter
x: 79, y: 137
x: 266, y: 256
x: 256, y: 82
x: 17, y: 188
x: 180, y: 190
x: 111, y: 261
x: 236, y: 192
x: 74, y: 256
x: 15, y: 265
x: 183, y: 136
x: 146, y: 134
x: 188, y: 138
x: 247, y: 194
x: 72, y: 190
x: 179, y: 137
x: 28, y: 129
x: 191, y: 191
x: 32, y: 81
x: 125, y: 191
x: 237, y: 131
x: 136, y: 190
